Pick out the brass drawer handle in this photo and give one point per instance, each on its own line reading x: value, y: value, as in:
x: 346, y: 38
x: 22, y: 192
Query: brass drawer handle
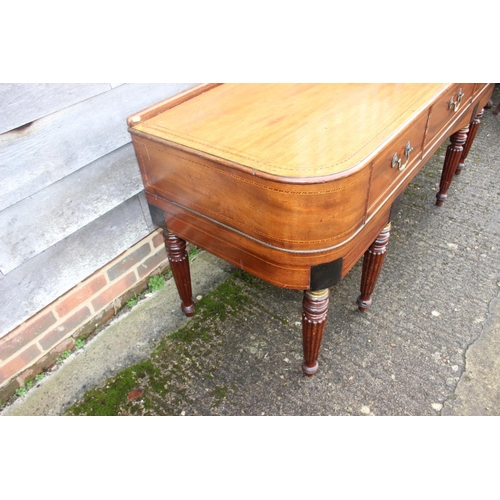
x: 397, y: 161
x: 455, y: 104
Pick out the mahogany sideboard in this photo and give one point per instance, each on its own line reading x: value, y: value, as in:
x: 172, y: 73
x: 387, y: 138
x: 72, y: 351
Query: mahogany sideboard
x: 293, y: 183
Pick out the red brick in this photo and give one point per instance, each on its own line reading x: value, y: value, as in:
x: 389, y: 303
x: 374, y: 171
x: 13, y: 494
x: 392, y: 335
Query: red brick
x: 19, y: 363
x: 8, y: 390
x: 81, y: 295
x: 50, y: 358
x: 129, y: 261
x: 25, y: 335
x: 65, y: 345
x: 53, y: 337
x: 153, y: 262
x: 105, y: 315
x: 158, y: 240
x: 114, y: 291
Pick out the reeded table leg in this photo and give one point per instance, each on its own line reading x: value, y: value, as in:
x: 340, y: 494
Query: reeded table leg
x: 179, y: 263
x: 453, y: 155
x: 372, y: 265
x: 315, y: 310
x: 474, y: 125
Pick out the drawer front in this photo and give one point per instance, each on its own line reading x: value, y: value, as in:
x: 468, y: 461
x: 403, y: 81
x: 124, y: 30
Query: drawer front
x: 396, y: 161
x: 446, y: 110
x: 483, y: 94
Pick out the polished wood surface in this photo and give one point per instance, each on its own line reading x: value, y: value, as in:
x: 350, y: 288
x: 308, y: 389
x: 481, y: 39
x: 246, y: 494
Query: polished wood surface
x: 471, y: 134
x: 297, y: 131
x: 372, y: 265
x: 314, y: 316
x: 451, y: 161
x: 295, y: 182
x: 179, y: 264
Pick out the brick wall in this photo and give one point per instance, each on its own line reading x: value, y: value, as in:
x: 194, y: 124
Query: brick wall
x: 35, y: 345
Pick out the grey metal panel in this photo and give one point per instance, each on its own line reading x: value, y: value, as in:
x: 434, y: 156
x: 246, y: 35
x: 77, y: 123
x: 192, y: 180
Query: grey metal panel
x: 50, y: 215
x: 41, y: 280
x: 22, y: 103
x: 34, y: 157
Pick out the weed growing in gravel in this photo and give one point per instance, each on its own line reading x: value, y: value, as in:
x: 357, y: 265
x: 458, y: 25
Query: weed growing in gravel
x: 64, y: 355
x: 21, y: 391
x: 132, y: 301
x: 156, y: 283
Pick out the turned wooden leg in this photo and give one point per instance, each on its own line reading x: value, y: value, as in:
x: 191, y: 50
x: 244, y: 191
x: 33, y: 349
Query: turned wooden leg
x: 453, y: 155
x: 372, y: 265
x: 314, y: 313
x: 474, y: 125
x: 179, y: 264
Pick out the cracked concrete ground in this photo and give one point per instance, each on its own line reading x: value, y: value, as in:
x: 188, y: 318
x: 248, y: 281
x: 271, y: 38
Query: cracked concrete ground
x: 478, y: 391
x: 429, y: 345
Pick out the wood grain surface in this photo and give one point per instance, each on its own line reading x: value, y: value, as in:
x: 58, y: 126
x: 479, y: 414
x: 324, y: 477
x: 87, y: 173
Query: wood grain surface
x: 52, y: 214
x: 277, y: 178
x: 42, y: 279
x: 292, y: 130
x: 23, y: 103
x: 52, y: 147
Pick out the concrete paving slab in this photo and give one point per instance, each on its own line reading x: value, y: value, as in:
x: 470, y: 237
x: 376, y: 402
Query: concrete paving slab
x: 478, y: 390
x: 127, y: 339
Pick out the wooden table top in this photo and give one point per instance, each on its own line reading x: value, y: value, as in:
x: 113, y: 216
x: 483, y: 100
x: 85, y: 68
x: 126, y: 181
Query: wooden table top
x: 292, y: 130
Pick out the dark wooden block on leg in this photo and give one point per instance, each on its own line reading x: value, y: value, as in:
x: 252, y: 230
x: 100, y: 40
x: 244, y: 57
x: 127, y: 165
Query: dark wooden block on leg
x: 372, y: 265
x: 314, y: 315
x: 179, y: 264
